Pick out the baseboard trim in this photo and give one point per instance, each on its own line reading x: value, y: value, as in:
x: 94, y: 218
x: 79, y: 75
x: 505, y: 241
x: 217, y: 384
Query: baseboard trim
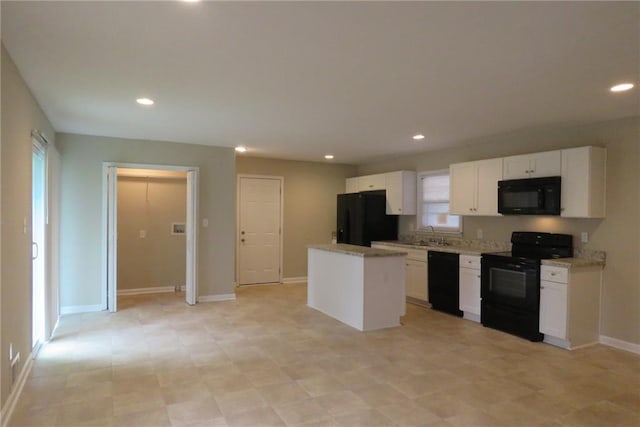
x: 620, y: 344
x: 300, y: 279
x: 217, y: 298
x: 12, y: 400
x: 152, y: 290
x: 73, y: 309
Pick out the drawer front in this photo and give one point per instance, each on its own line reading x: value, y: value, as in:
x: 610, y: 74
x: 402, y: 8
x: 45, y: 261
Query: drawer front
x: 470, y: 261
x: 416, y: 254
x: 554, y: 274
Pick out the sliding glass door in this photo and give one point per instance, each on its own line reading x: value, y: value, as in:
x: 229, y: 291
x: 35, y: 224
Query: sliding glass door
x: 38, y: 226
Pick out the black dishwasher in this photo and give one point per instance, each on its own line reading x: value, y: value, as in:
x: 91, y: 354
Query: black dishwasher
x: 444, y: 289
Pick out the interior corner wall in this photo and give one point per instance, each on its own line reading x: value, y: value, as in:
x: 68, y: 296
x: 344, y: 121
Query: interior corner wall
x: 309, y: 216
x: 617, y: 234
x: 149, y: 254
x: 82, y: 197
x: 20, y: 115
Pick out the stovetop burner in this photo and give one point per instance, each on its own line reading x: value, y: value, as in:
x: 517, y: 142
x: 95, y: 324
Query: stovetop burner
x: 537, y: 246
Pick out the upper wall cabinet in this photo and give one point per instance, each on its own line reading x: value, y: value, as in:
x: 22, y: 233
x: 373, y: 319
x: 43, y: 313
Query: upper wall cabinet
x: 400, y: 187
x: 474, y: 187
x: 366, y: 183
x: 534, y: 165
x: 401, y: 193
x: 583, y: 182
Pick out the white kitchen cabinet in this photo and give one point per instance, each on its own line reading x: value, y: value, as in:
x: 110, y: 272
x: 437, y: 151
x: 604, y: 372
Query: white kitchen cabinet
x: 469, y: 299
x: 365, y: 183
x: 400, y: 187
x: 474, y: 187
x: 570, y: 305
x: 583, y: 182
x: 535, y: 165
x: 372, y: 182
x: 352, y: 185
x: 401, y: 192
x: 553, y: 309
x: 416, y: 285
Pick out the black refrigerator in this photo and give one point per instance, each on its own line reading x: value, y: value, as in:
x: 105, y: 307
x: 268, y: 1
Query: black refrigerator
x: 362, y: 218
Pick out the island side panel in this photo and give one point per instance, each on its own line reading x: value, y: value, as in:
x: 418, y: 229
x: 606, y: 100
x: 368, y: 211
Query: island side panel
x: 384, y: 292
x: 335, y: 285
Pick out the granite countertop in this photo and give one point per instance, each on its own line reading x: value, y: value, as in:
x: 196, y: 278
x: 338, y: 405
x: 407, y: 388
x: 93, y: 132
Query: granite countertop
x: 452, y: 248
x: 573, y: 262
x: 582, y: 258
x: 361, y: 251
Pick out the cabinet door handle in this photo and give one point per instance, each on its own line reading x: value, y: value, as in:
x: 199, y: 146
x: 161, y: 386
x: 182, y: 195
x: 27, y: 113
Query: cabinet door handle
x: 553, y: 274
x: 478, y: 276
x: 541, y: 287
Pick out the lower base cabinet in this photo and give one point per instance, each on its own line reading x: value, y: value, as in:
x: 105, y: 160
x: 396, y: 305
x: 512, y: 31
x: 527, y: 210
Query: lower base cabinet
x: 416, y: 285
x: 470, y: 287
x: 417, y: 280
x: 570, y: 305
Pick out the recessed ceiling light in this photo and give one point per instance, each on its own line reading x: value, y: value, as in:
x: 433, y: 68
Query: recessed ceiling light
x: 621, y: 87
x: 145, y: 101
x: 328, y: 156
x: 418, y: 137
x: 241, y: 149
x: 191, y: 1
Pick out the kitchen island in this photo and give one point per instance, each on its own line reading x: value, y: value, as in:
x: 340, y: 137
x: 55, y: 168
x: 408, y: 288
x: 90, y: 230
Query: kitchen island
x: 357, y: 285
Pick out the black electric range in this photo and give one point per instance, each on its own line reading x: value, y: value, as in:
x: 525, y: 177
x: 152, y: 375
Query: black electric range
x: 510, y: 282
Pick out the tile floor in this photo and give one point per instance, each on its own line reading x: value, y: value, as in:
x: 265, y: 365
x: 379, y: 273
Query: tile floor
x: 267, y: 359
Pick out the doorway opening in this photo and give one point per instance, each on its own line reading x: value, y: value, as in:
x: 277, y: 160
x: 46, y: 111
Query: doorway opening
x: 174, y: 234
x: 259, y: 234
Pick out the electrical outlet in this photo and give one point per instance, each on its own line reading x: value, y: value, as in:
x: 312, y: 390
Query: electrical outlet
x: 205, y: 222
x: 584, y: 237
x: 479, y: 233
x: 143, y: 234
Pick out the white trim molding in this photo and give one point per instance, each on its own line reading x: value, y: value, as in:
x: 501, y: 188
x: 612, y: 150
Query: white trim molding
x: 73, y: 309
x: 300, y: 279
x: 16, y: 391
x: 620, y: 344
x: 217, y: 298
x: 150, y: 290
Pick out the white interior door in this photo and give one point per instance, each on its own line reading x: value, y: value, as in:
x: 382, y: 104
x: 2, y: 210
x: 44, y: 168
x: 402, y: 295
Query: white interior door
x: 259, y: 230
x: 192, y: 222
x: 112, y: 237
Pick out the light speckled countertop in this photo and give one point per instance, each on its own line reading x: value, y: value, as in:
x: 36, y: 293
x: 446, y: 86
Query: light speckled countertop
x: 590, y: 258
x: 452, y: 248
x: 361, y: 251
x: 573, y: 262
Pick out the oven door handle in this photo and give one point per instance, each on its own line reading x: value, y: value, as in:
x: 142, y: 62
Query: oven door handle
x: 510, y: 266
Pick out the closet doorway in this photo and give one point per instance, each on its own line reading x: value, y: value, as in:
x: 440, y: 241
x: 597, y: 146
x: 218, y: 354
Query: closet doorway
x: 179, y: 229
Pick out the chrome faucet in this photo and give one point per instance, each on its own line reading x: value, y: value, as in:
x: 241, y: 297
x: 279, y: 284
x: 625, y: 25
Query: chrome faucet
x: 434, y: 239
x: 433, y: 233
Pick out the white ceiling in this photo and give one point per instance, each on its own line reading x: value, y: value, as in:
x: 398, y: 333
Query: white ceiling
x: 296, y: 80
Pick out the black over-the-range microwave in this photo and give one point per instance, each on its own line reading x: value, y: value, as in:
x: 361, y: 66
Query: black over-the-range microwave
x: 529, y: 196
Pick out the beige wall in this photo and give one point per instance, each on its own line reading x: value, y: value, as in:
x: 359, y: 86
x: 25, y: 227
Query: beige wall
x: 310, y: 191
x: 20, y: 114
x: 617, y: 234
x: 152, y: 205
x: 81, y: 201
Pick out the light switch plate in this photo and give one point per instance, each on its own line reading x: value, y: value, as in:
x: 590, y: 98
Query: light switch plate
x: 479, y: 233
x: 584, y: 237
x: 143, y: 234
